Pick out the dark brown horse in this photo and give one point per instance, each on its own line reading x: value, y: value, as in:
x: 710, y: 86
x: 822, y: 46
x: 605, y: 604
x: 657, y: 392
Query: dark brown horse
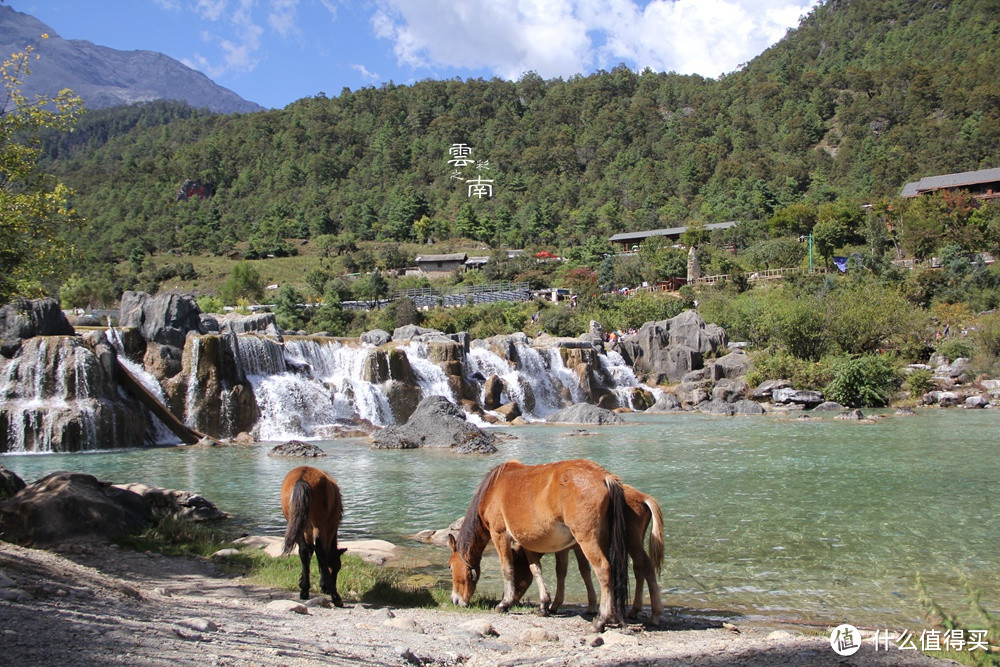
x: 642, y: 510
x: 546, y: 509
x: 311, y: 502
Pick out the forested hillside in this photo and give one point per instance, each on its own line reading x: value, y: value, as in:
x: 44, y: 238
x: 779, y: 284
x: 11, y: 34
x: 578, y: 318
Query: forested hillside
x: 862, y: 97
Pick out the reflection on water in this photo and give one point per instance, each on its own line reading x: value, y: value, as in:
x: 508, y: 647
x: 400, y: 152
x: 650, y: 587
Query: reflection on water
x: 822, y: 519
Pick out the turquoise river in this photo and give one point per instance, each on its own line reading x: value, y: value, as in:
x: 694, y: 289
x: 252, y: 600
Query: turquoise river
x: 814, y: 520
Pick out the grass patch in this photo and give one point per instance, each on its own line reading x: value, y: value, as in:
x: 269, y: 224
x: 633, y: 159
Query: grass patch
x: 359, y: 581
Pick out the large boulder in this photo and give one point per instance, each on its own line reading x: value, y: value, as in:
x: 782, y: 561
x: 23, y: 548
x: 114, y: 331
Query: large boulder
x: 164, y: 319
x: 797, y: 396
x: 729, y: 390
x: 71, y: 507
x: 669, y: 349
x: 665, y: 403
x: 376, y: 337
x: 259, y: 323
x: 173, y: 504
x: 584, y: 413
x: 767, y: 387
x: 437, y: 422
x: 10, y: 483
x: 736, y: 364
x: 26, y: 318
x: 297, y: 448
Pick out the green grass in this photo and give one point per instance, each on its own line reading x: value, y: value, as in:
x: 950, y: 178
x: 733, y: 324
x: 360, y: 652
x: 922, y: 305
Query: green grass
x: 359, y: 581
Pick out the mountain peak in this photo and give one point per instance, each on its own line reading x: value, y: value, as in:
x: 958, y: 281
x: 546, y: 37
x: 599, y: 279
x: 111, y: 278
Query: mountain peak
x: 106, y: 77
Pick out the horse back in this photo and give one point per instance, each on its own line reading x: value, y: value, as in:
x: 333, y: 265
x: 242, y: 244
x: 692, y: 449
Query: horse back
x: 326, y: 508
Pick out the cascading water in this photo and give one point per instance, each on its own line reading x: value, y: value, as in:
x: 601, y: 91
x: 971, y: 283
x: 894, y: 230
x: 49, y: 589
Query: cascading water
x: 430, y: 377
x: 161, y: 434
x: 547, y: 396
x: 306, y: 389
x: 624, y: 378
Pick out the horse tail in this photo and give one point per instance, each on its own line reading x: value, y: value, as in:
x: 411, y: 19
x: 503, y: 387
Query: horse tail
x: 298, y: 514
x: 618, y: 549
x: 655, y: 535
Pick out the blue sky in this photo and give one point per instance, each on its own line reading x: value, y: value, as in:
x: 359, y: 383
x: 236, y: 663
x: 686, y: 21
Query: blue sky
x: 274, y: 52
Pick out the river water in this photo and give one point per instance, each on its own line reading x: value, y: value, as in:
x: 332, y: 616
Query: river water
x: 819, y: 520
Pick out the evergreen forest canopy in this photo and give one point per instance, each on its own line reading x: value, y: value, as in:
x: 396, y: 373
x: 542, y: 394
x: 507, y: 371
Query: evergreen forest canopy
x: 862, y: 97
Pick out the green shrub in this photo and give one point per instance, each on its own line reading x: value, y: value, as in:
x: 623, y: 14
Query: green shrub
x: 210, y: 304
x: 863, y: 381
x: 953, y: 348
x: 919, y: 382
x: 779, y: 364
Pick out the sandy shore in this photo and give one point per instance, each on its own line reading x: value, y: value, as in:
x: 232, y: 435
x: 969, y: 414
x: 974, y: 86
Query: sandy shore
x: 99, y: 605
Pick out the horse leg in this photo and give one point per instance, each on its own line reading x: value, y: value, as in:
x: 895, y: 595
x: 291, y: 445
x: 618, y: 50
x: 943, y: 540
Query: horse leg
x: 562, y: 564
x: 305, y: 555
x: 535, y: 564
x: 502, y: 542
x: 602, y: 567
x: 588, y: 580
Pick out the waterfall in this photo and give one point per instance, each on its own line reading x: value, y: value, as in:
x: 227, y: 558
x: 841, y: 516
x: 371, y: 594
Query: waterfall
x: 307, y: 389
x: 534, y: 368
x: 52, y: 398
x: 624, y: 378
x: 430, y: 377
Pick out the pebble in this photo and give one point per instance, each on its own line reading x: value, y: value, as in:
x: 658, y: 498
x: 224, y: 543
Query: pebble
x: 781, y: 635
x: 537, y: 636
x: 480, y: 628
x: 287, y: 605
x: 225, y: 553
x: 199, y: 624
x: 5, y: 581
x: 319, y: 601
x: 13, y: 595
x: 402, y: 623
x: 619, y: 638
x: 162, y: 591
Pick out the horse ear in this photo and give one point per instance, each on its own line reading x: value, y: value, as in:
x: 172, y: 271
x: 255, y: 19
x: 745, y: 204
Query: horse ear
x: 452, y: 543
x: 342, y: 550
x: 474, y: 573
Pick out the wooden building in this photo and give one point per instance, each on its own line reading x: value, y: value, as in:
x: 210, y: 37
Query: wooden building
x: 982, y: 184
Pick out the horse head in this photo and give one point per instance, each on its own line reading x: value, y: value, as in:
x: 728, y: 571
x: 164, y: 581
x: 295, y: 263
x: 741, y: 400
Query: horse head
x: 464, y: 576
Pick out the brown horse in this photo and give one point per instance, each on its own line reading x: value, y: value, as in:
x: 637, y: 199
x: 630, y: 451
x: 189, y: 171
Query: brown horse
x: 546, y: 509
x: 311, y: 502
x: 642, y: 509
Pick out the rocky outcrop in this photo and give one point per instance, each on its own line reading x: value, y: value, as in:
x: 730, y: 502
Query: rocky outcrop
x: 260, y: 323
x: 10, y: 483
x: 36, y: 317
x: 437, y: 422
x: 297, y: 448
x: 665, y: 403
x: 584, y: 413
x: 164, y: 319
x: 173, y: 504
x: 788, y: 395
x: 664, y: 351
x: 376, y: 337
x: 59, y: 394
x: 210, y: 392
x: 71, y: 507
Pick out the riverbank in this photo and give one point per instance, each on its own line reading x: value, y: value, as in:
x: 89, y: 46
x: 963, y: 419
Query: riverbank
x: 98, y: 604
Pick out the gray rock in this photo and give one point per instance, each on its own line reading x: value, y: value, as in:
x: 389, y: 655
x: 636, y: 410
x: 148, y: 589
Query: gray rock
x: 297, y: 448
x: 747, y: 407
x: 665, y: 403
x: 767, y: 387
x: 829, y: 406
x: 26, y: 318
x: 261, y: 323
x: 851, y: 415
x: 734, y: 365
x: 717, y: 407
x: 977, y: 402
x: 209, y: 324
x: 71, y: 507
x: 10, y: 483
x: 729, y: 390
x: 947, y: 399
x: 376, y: 337
x: 412, y: 331
x: 799, y: 396
x: 904, y: 412
x: 668, y: 349
x: 584, y: 413
x: 164, y: 319
x: 181, y: 505
x: 700, y: 375
x: 437, y: 422
x: 286, y: 606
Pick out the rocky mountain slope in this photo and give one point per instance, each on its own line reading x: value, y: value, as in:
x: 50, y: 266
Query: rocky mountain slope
x: 106, y: 77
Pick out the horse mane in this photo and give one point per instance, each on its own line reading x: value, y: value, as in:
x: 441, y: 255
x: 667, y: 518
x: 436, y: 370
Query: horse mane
x: 472, y: 525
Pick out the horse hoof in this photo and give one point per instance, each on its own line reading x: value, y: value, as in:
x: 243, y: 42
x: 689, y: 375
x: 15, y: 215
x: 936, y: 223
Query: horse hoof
x: 303, y: 595
x: 543, y: 610
x: 502, y: 608
x: 337, y: 602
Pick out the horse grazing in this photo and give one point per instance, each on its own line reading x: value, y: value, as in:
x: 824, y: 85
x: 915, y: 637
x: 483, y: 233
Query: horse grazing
x: 311, y: 502
x: 546, y: 509
x: 641, y: 511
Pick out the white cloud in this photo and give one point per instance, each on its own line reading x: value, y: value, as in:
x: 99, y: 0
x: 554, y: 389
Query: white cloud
x: 365, y: 72
x: 556, y: 38
x: 283, y: 17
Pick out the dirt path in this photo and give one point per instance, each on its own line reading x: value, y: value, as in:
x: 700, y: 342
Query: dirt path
x: 98, y: 605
